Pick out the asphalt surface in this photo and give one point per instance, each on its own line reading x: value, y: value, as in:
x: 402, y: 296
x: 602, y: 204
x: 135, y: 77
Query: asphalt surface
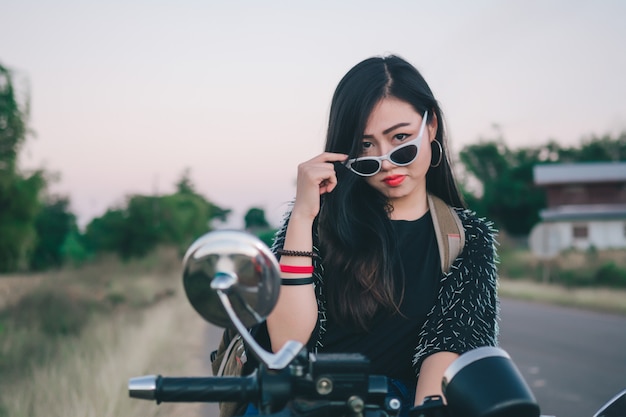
x: 213, y: 337
x: 573, y: 360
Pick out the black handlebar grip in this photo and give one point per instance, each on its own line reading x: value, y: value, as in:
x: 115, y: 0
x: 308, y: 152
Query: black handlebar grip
x: 206, y: 389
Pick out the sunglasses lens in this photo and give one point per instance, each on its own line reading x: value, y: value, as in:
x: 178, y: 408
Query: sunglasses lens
x: 404, y: 156
x: 366, y: 167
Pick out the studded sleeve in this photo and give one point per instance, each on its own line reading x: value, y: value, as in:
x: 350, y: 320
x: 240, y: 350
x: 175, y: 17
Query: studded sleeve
x: 466, y: 313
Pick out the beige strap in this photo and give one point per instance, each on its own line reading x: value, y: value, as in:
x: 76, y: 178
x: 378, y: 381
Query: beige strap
x: 227, y: 353
x: 449, y: 231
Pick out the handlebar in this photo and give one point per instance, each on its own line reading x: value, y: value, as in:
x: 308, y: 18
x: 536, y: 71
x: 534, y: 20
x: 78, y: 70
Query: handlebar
x: 194, y: 389
x: 340, y: 384
x: 307, y: 393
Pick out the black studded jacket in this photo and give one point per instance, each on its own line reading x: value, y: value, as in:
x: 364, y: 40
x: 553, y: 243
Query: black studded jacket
x: 465, y: 315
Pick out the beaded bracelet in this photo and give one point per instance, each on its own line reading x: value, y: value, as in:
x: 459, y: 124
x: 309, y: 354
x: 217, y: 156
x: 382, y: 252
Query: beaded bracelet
x: 286, y: 252
x: 297, y: 281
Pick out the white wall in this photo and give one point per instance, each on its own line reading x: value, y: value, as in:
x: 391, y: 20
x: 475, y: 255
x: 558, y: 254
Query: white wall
x: 601, y: 234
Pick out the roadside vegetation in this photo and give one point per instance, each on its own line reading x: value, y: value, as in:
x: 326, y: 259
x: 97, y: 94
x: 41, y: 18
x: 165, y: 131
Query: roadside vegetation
x: 571, y: 269
x: 589, y: 279
x: 69, y: 343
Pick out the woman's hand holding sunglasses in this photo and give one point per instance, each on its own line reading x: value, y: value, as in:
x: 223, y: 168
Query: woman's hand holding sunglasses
x: 315, y: 177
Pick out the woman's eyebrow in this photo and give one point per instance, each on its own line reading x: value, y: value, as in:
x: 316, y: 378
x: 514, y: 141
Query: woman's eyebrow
x: 390, y: 129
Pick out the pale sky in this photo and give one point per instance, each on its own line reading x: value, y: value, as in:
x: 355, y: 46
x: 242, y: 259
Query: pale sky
x: 126, y: 95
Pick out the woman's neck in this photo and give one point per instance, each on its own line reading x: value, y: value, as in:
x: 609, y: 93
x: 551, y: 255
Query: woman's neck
x: 409, y: 208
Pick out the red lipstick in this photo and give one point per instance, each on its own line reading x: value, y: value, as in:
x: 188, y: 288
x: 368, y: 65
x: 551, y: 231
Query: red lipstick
x: 394, y: 180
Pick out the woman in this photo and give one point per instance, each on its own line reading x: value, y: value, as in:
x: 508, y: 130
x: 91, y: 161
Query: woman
x: 360, y: 227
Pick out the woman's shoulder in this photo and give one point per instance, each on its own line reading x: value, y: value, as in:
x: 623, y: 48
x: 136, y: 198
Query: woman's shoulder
x: 477, y: 263
x: 476, y: 227
x: 480, y: 238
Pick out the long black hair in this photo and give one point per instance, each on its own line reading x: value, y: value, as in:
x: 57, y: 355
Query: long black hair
x: 354, y: 226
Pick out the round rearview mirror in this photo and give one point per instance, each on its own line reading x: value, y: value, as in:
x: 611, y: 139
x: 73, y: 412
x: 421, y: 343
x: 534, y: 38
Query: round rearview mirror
x: 238, y: 264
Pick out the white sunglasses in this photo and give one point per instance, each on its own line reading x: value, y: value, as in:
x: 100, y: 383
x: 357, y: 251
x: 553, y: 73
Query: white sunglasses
x: 401, y: 156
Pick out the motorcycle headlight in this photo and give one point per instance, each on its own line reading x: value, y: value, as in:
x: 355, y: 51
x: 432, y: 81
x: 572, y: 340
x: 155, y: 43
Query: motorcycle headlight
x: 485, y: 382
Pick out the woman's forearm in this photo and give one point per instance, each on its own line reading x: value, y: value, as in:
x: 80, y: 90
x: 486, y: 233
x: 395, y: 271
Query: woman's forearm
x: 431, y: 374
x: 295, y: 314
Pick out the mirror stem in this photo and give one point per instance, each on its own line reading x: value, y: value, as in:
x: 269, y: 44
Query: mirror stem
x: 278, y: 360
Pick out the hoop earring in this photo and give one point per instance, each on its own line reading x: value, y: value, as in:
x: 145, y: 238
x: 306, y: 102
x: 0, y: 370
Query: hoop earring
x: 440, y: 153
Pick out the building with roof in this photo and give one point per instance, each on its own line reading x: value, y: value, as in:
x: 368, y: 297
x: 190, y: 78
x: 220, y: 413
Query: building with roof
x: 586, y: 206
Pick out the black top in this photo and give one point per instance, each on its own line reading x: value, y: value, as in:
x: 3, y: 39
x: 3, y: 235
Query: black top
x: 391, y: 339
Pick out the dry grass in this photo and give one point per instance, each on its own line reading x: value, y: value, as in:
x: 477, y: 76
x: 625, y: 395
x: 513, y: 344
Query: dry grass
x: 591, y: 279
x: 597, y: 299
x: 572, y: 268
x: 89, y: 377
x: 137, y: 322
x: 136, y: 281
x: 14, y: 287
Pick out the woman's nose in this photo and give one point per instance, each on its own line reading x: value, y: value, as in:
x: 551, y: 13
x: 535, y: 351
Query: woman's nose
x: 386, y: 165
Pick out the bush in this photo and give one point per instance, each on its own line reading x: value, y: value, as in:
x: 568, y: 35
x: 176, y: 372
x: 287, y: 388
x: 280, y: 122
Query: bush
x: 572, y: 268
x: 609, y: 274
x: 116, y: 298
x: 518, y: 263
x: 267, y: 236
x: 574, y: 277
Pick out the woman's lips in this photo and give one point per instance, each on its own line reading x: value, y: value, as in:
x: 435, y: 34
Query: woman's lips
x: 394, y: 180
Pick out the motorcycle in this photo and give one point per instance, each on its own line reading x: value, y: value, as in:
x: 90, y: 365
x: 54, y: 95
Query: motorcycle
x: 231, y: 278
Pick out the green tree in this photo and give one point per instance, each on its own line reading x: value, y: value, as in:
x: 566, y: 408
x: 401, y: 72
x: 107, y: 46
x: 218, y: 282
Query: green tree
x: 19, y: 193
x: 130, y: 231
x: 509, y: 196
x: 186, y: 215
x: 255, y: 219
x: 74, y: 250
x: 256, y: 223
x: 185, y: 218
x: 13, y: 123
x: 141, y: 232
x: 148, y: 221
x: 19, y: 205
x: 604, y: 148
x: 267, y: 236
x: 106, y: 233
x: 184, y: 185
x: 53, y: 226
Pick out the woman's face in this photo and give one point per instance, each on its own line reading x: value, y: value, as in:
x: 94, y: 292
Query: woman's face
x: 392, y: 123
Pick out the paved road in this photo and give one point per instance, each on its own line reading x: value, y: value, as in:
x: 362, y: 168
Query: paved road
x: 213, y: 337
x: 573, y: 360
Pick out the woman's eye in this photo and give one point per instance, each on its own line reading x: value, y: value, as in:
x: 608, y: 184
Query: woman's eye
x: 366, y: 145
x: 401, y: 136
